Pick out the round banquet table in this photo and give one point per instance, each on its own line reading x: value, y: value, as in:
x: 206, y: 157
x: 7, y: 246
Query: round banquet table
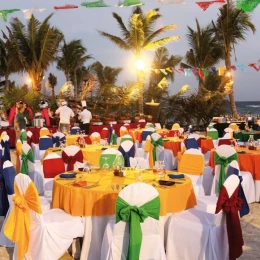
x: 97, y: 204
x: 243, y: 136
x: 174, y: 144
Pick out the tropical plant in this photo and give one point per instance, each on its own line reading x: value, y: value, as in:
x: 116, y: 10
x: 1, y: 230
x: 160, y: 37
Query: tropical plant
x: 231, y: 27
x: 139, y: 37
x: 7, y: 64
x: 161, y: 60
x: 72, y: 57
x: 205, y: 52
x: 33, y: 47
x: 52, y: 79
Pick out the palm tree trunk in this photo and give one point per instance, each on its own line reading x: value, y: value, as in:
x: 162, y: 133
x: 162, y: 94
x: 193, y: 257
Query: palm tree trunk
x: 231, y: 93
x: 75, y: 85
x: 140, y: 78
x: 6, y: 81
x: 67, y: 76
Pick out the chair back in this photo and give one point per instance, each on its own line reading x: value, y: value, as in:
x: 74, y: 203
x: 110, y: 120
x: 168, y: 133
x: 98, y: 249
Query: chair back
x: 234, y: 127
x: 191, y: 143
x: 72, y: 157
x: 5, y: 143
x: 213, y: 133
x: 75, y: 130
x: 49, y: 161
x: 192, y: 162
x: 123, y: 131
x: 44, y: 131
x: 158, y: 126
x: 149, y: 125
x: 27, y: 158
x: 58, y: 138
x: 127, y: 148
x: 126, y: 137
x: 225, y: 141
x: 229, y: 132
x: 142, y: 162
x: 29, y: 137
x: 176, y: 126
x: 231, y: 184
x: 45, y: 142
x: 95, y: 138
x: 104, y: 133
x: 146, y: 132
x: 23, y: 135
x: 9, y: 175
x: 110, y: 154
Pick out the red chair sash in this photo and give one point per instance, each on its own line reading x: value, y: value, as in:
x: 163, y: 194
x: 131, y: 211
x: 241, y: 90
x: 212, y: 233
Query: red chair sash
x: 71, y: 160
x: 49, y: 170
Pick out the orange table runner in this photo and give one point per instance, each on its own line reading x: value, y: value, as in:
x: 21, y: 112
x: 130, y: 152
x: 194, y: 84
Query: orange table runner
x: 250, y: 161
x: 100, y: 200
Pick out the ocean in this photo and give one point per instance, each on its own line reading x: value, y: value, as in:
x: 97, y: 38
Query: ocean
x: 243, y: 107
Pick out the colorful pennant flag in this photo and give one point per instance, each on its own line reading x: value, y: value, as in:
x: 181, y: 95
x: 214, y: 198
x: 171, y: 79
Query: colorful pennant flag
x: 163, y: 83
x: 4, y: 13
x: 168, y: 2
x: 255, y: 66
x: 100, y: 3
x: 28, y: 12
x: 247, y: 5
x: 242, y: 67
x: 205, y: 5
x: 65, y: 7
x: 130, y: 3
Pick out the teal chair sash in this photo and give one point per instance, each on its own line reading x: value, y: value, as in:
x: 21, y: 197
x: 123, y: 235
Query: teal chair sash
x: 223, y: 162
x: 134, y: 216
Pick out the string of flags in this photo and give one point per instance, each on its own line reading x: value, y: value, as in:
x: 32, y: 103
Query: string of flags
x: 203, y: 72
x: 245, y: 5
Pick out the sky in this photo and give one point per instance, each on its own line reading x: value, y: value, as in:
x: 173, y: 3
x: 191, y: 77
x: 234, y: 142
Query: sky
x: 84, y: 23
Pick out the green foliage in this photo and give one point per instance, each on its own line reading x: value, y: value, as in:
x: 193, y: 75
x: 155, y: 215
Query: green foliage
x: 21, y: 93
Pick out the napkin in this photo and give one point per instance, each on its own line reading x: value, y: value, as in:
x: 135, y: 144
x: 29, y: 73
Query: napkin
x: 103, y: 148
x: 68, y: 175
x: 80, y: 184
x: 242, y: 152
x: 166, y: 140
x: 176, y: 176
x: 56, y: 150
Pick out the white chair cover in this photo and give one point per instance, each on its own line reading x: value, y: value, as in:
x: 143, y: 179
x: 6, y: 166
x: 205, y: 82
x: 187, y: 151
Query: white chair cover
x: 51, y: 233
x: 116, y: 237
x: 195, y: 234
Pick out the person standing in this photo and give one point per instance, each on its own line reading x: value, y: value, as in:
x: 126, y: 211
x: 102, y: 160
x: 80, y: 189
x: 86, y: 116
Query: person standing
x: 20, y: 119
x: 65, y: 114
x: 85, y: 116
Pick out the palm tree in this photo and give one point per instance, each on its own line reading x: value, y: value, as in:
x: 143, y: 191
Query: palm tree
x: 33, y: 47
x: 7, y: 66
x: 53, y: 82
x: 161, y: 60
x: 72, y: 57
x: 205, y: 50
x: 231, y: 27
x: 139, y: 37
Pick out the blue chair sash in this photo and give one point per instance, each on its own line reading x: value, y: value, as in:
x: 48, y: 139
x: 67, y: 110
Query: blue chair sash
x: 58, y: 140
x: 6, y: 146
x: 127, y: 155
x: 191, y: 143
x: 9, y: 175
x: 74, y: 131
x: 45, y: 143
x: 145, y: 134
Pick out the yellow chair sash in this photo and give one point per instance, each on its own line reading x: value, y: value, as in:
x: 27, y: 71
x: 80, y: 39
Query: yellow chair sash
x: 17, y: 227
x: 191, y: 164
x: 94, y: 139
x: 148, y: 147
x: 123, y: 132
x: 44, y: 132
x: 18, y: 152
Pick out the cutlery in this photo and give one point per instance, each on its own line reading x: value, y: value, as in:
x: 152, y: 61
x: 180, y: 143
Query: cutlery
x: 113, y: 187
x: 91, y: 186
x: 118, y: 187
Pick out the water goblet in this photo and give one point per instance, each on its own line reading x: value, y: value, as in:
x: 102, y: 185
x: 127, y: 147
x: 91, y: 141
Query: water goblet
x: 138, y: 171
x: 105, y: 165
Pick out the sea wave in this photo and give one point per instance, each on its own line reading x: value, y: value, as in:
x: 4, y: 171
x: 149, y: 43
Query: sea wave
x: 253, y: 106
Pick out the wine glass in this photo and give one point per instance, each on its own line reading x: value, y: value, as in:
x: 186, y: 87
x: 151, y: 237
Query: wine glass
x: 85, y: 165
x: 106, y: 141
x: 138, y: 171
x: 160, y: 169
x: 105, y: 165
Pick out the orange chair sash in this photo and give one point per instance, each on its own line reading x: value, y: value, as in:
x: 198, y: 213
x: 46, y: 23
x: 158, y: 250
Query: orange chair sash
x: 191, y: 164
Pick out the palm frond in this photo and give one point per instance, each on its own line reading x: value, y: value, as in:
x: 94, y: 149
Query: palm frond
x: 161, y: 42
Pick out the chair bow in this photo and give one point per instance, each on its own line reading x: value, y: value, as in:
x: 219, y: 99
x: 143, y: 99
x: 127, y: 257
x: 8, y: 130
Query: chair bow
x: 156, y: 144
x: 136, y: 215
x: 23, y: 136
x: 25, y: 157
x: 127, y: 155
x: 223, y: 162
x: 232, y: 205
x: 17, y: 227
x: 6, y: 147
x: 57, y: 140
x: 71, y: 160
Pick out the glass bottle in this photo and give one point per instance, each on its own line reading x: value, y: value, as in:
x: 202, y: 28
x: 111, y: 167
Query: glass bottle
x: 81, y: 141
x: 251, y: 142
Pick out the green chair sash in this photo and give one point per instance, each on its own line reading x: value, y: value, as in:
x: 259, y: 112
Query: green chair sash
x: 136, y: 215
x: 25, y: 157
x: 113, y: 139
x: 155, y: 144
x: 23, y: 136
x: 213, y: 134
x: 223, y: 162
x: 149, y: 125
x: 126, y: 139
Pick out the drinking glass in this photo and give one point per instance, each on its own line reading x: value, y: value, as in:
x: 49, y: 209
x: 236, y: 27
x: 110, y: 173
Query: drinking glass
x: 106, y: 165
x: 138, y: 171
x: 160, y: 169
x: 85, y: 165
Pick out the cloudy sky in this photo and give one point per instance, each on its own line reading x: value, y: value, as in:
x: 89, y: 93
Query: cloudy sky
x: 83, y: 23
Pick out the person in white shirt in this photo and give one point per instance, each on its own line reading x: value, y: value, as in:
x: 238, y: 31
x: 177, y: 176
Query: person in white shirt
x: 65, y: 114
x: 85, y: 116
